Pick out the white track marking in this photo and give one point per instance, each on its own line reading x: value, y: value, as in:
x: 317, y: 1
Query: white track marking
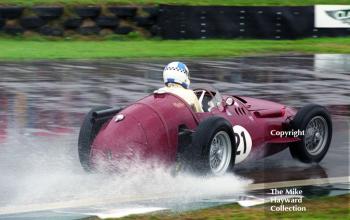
x: 306, y: 182
x: 119, y: 212
x: 259, y: 201
x: 94, y: 202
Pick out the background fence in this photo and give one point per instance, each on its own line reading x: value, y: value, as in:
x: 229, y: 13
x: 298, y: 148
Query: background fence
x: 167, y: 22
x: 186, y: 22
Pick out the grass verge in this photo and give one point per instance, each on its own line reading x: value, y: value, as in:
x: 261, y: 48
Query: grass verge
x: 174, y: 2
x: 320, y: 208
x: 17, y: 49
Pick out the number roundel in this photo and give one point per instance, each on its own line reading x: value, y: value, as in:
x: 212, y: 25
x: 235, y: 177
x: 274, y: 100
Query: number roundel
x: 243, y: 141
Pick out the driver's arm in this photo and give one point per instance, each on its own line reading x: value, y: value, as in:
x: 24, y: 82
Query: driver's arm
x: 197, y: 106
x: 195, y: 103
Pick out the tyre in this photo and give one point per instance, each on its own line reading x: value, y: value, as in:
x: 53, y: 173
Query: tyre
x: 2, y: 22
x: 144, y: 21
x: 11, y: 12
x: 89, y: 30
x: 123, y: 11
x: 316, y: 123
x: 51, y: 31
x: 88, y: 11
x: 73, y: 23
x: 123, y: 30
x: 48, y: 12
x: 87, y: 134
x: 32, y: 22
x: 13, y: 30
x: 107, y: 21
x: 213, y: 148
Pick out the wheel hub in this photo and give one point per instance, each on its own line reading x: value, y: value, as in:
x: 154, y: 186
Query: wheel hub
x: 316, y: 135
x: 220, y: 153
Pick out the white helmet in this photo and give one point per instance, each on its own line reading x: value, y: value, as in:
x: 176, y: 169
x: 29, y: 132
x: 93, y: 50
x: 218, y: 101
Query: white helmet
x: 176, y: 72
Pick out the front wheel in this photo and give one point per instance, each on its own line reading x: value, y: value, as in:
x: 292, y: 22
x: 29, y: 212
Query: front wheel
x: 213, y: 149
x: 316, y: 123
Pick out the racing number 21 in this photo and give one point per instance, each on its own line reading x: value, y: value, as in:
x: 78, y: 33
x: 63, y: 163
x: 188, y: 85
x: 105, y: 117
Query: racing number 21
x: 243, y: 143
x: 238, y: 141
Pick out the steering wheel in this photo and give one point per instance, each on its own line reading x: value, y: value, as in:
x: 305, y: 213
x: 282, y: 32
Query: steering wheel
x: 201, y: 93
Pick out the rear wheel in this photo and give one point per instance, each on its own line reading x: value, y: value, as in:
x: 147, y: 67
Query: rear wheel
x: 213, y: 149
x: 316, y: 123
x: 87, y: 134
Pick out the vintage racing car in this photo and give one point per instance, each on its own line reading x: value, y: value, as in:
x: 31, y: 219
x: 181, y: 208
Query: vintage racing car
x: 231, y: 130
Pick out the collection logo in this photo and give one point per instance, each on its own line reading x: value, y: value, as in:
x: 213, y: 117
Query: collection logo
x: 340, y: 15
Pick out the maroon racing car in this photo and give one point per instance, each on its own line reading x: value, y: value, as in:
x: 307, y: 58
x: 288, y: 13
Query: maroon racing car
x: 231, y: 130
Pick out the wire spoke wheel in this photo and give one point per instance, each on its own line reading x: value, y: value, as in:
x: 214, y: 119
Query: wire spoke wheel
x: 316, y: 135
x: 220, y: 153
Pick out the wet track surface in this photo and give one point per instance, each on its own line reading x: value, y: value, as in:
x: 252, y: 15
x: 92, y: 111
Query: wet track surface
x: 42, y: 105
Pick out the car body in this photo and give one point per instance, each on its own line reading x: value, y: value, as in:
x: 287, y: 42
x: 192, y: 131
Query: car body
x: 161, y: 126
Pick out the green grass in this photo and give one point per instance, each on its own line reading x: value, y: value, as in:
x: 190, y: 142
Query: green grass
x: 320, y: 208
x: 174, y: 2
x: 24, y: 49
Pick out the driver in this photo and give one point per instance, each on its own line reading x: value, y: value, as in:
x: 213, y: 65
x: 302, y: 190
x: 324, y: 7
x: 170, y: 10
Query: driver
x: 176, y: 79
